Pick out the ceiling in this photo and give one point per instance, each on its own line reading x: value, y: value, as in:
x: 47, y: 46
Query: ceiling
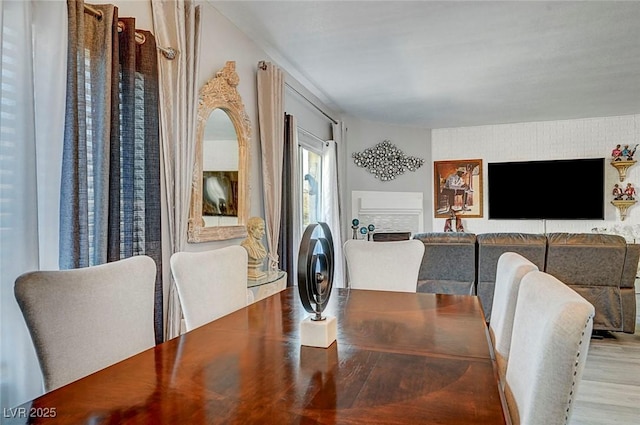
x: 438, y: 64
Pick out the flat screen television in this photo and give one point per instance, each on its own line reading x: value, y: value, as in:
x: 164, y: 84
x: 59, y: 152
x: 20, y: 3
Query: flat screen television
x: 567, y: 189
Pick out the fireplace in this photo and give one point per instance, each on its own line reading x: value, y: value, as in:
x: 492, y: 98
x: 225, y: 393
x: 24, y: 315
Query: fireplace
x: 389, y: 211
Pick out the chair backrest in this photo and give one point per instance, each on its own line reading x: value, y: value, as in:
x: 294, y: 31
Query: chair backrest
x: 385, y: 266
x: 511, y: 269
x: 211, y: 284
x: 549, y: 346
x: 83, y: 320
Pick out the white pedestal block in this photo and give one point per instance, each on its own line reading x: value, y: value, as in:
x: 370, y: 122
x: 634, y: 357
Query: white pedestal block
x: 318, y: 334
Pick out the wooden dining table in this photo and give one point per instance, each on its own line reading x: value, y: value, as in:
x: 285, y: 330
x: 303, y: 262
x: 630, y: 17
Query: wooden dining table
x: 399, y: 358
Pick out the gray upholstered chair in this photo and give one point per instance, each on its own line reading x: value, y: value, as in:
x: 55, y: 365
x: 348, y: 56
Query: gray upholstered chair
x: 511, y: 269
x: 491, y: 246
x: 83, y: 320
x: 551, y: 334
x: 449, y: 263
x: 210, y: 284
x: 383, y: 266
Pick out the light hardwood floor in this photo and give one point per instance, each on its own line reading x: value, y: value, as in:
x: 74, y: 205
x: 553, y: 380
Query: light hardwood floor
x: 610, y: 389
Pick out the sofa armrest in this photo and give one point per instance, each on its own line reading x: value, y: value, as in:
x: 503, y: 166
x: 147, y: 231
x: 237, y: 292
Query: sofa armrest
x: 630, y: 270
x: 627, y: 288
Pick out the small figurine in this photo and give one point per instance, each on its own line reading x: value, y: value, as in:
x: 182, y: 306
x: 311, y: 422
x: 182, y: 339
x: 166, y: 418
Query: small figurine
x: 625, y: 151
x: 451, y: 223
x: 617, y: 192
x: 354, y: 225
x: 617, y: 153
x: 629, y: 192
x: 459, y: 226
x: 631, y: 153
x: 363, y: 231
x: 371, y: 228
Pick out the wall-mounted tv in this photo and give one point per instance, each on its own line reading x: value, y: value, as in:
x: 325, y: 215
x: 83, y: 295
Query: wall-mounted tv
x: 567, y: 189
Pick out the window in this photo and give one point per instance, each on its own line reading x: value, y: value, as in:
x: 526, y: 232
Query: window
x: 310, y: 155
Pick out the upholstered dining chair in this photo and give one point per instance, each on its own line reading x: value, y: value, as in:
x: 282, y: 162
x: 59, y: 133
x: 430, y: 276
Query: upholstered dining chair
x: 384, y: 266
x: 210, y: 284
x: 551, y: 334
x: 83, y: 320
x: 512, y: 267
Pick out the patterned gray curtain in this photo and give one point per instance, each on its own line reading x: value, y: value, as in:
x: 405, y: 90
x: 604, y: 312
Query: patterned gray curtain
x: 110, y: 203
x: 85, y: 161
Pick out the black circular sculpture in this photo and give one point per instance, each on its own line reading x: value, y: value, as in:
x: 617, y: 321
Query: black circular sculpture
x: 315, y: 269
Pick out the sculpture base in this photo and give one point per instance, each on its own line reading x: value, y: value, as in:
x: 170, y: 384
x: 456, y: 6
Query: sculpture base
x: 254, y: 268
x: 254, y: 274
x: 318, y: 333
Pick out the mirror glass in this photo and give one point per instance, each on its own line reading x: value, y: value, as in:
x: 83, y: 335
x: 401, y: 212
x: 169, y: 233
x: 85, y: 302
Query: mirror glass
x: 220, y: 188
x: 219, y: 171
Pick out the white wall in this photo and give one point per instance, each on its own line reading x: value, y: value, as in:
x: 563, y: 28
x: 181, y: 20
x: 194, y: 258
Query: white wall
x: 413, y: 141
x: 579, y: 138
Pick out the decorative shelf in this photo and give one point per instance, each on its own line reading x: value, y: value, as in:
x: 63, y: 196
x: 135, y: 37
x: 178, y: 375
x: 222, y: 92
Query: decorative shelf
x: 623, y: 206
x: 622, y: 167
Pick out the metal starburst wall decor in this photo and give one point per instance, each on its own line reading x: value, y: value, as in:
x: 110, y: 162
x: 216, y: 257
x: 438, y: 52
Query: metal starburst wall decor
x: 385, y: 161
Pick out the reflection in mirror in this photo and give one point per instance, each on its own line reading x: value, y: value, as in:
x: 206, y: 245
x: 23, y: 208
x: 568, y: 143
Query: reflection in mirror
x: 219, y: 171
x: 220, y: 189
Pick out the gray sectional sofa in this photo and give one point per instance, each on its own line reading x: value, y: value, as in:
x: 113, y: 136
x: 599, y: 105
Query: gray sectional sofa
x: 601, y: 268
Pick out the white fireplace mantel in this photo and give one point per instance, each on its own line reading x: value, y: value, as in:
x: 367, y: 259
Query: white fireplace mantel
x: 389, y: 211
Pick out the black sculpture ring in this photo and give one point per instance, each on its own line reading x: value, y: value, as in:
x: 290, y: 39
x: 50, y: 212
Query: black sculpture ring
x: 315, y: 269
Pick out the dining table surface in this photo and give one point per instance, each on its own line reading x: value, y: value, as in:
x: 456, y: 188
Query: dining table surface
x: 399, y: 358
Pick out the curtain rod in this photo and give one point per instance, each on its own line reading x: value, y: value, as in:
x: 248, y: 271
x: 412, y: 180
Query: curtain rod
x: 312, y: 104
x: 92, y: 11
x: 313, y: 136
x: 167, y: 52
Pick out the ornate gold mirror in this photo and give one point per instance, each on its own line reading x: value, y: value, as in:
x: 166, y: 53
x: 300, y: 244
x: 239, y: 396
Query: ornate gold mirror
x: 220, y: 189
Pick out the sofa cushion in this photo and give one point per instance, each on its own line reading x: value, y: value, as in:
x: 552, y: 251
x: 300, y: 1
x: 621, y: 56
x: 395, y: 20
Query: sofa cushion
x: 592, y: 264
x: 491, y: 246
x: 449, y: 263
x: 586, y: 259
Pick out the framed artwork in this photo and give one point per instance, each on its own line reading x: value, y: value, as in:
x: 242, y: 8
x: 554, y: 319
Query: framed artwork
x: 457, y: 188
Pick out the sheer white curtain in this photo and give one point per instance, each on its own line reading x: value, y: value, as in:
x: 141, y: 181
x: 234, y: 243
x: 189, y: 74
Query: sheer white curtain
x: 271, y: 115
x: 33, y: 35
x: 331, y: 206
x: 176, y: 23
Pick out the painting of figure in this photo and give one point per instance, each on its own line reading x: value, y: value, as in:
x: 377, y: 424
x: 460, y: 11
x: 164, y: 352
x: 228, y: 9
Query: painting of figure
x: 220, y: 193
x: 458, y: 188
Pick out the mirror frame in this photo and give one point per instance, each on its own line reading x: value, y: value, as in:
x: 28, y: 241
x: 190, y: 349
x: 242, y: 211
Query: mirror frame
x: 220, y: 93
